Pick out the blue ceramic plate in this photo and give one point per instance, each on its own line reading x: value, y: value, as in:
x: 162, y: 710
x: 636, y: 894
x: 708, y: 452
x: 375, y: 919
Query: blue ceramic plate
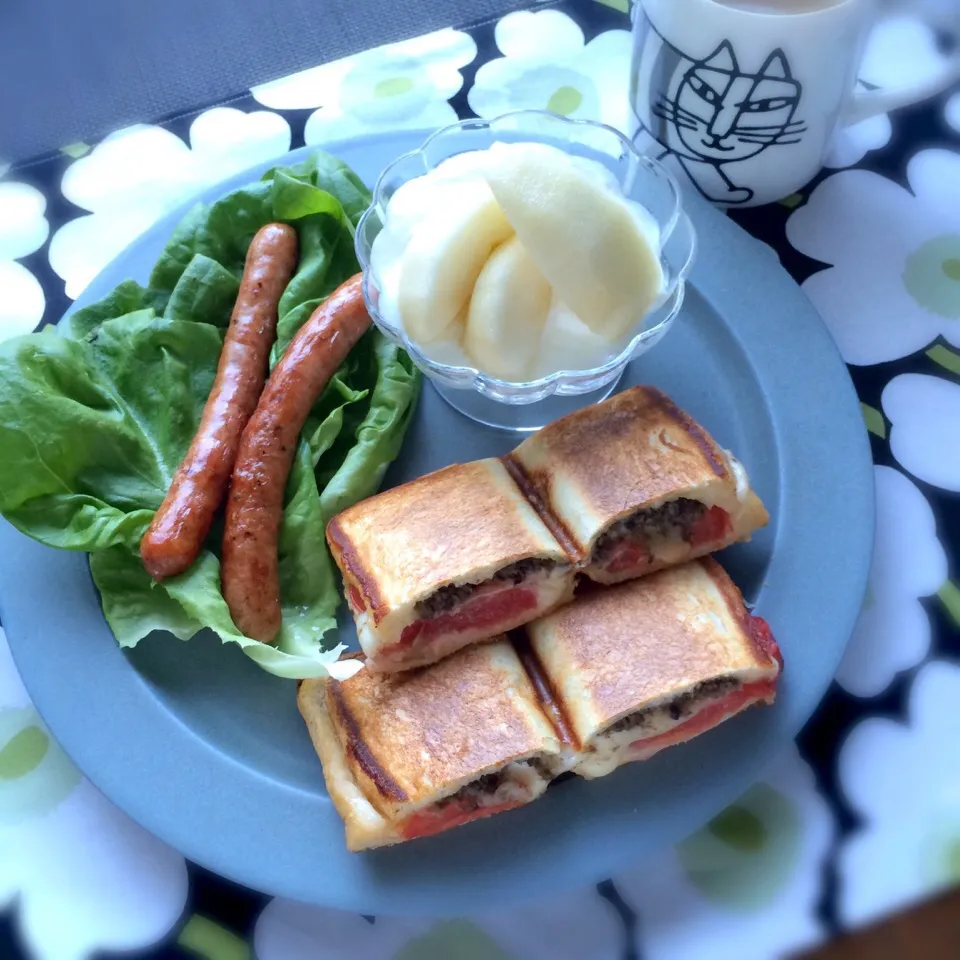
x: 209, y: 753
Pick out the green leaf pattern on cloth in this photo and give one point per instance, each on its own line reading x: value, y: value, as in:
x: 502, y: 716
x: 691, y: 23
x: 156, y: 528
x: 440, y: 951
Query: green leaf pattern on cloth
x: 932, y: 275
x: 23, y: 753
x: 35, y: 773
x: 873, y: 418
x: 949, y: 595
x: 210, y: 940
x: 948, y: 359
x: 450, y: 939
x: 743, y: 856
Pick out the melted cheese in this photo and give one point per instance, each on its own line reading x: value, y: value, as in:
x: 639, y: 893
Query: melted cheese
x: 739, y: 475
x: 669, y: 549
x: 610, y: 750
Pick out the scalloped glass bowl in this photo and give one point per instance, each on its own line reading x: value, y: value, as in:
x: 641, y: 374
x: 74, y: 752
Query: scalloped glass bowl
x: 530, y: 405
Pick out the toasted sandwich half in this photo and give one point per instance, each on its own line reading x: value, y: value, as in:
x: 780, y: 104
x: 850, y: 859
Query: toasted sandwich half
x: 449, y: 559
x: 651, y: 663
x: 412, y: 754
x: 636, y: 485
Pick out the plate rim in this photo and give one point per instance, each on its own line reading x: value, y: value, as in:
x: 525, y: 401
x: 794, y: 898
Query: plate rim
x: 373, y: 890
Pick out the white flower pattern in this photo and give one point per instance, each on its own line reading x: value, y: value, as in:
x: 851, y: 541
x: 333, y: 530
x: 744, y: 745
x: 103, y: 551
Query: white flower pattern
x: 893, y: 632
x: 901, y: 51
x: 398, y: 86
x: 903, y: 781
x: 547, y: 66
x: 565, y: 927
x: 925, y: 414
x: 80, y: 874
x: 851, y: 144
x: 23, y: 230
x: 568, y: 927
x: 952, y: 112
x: 287, y: 930
x: 747, y: 883
x: 893, y: 284
x: 138, y: 174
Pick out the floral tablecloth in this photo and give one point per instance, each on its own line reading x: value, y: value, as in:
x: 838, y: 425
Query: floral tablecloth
x: 859, y: 818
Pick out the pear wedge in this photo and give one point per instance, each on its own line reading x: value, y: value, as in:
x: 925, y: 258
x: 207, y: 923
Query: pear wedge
x: 446, y: 252
x: 507, y: 312
x: 600, y: 257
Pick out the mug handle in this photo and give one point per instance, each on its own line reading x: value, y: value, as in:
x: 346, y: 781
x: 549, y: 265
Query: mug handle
x: 869, y: 103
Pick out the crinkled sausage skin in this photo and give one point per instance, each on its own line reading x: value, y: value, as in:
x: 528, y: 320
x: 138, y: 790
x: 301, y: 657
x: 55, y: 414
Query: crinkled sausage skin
x: 176, y: 534
x: 255, y: 502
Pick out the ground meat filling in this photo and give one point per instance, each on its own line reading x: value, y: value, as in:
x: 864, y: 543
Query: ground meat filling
x: 480, y: 792
x: 453, y: 595
x: 680, y: 709
x: 670, y: 521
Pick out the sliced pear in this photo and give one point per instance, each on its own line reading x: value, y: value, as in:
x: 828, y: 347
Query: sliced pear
x: 583, y: 237
x: 567, y: 343
x: 467, y: 165
x: 434, y: 192
x: 510, y: 302
x: 446, y: 252
x: 448, y: 347
x: 421, y: 198
x: 408, y: 203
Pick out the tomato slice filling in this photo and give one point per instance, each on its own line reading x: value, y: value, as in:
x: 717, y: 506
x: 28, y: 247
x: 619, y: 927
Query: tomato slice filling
x: 482, y: 611
x: 708, y: 717
x: 633, y: 553
x: 763, y: 637
x: 427, y: 822
x: 712, y: 527
x: 630, y: 554
x: 356, y: 601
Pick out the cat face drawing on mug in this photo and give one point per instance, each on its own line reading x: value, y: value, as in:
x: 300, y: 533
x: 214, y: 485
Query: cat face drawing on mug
x: 709, y: 113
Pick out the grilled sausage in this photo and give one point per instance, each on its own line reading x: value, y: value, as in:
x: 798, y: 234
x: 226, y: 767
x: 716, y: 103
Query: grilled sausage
x: 255, y: 501
x: 176, y: 534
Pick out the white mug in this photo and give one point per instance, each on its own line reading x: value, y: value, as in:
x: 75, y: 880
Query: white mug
x: 745, y: 95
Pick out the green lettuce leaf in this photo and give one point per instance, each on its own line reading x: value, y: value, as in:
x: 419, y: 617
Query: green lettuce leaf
x: 128, y: 297
x: 96, y: 417
x: 333, y: 176
x: 205, y: 293
x: 179, y: 250
x: 135, y: 606
x: 347, y: 475
x: 93, y: 430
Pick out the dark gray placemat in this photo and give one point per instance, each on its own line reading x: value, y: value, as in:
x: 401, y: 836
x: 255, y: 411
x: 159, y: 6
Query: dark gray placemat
x: 77, y: 70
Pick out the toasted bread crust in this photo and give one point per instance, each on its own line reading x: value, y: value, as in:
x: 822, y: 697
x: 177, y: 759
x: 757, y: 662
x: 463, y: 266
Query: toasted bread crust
x: 365, y: 828
x: 633, y: 451
x: 411, y: 738
x: 345, y: 723
x: 624, y: 648
x: 458, y: 525
x: 751, y: 516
